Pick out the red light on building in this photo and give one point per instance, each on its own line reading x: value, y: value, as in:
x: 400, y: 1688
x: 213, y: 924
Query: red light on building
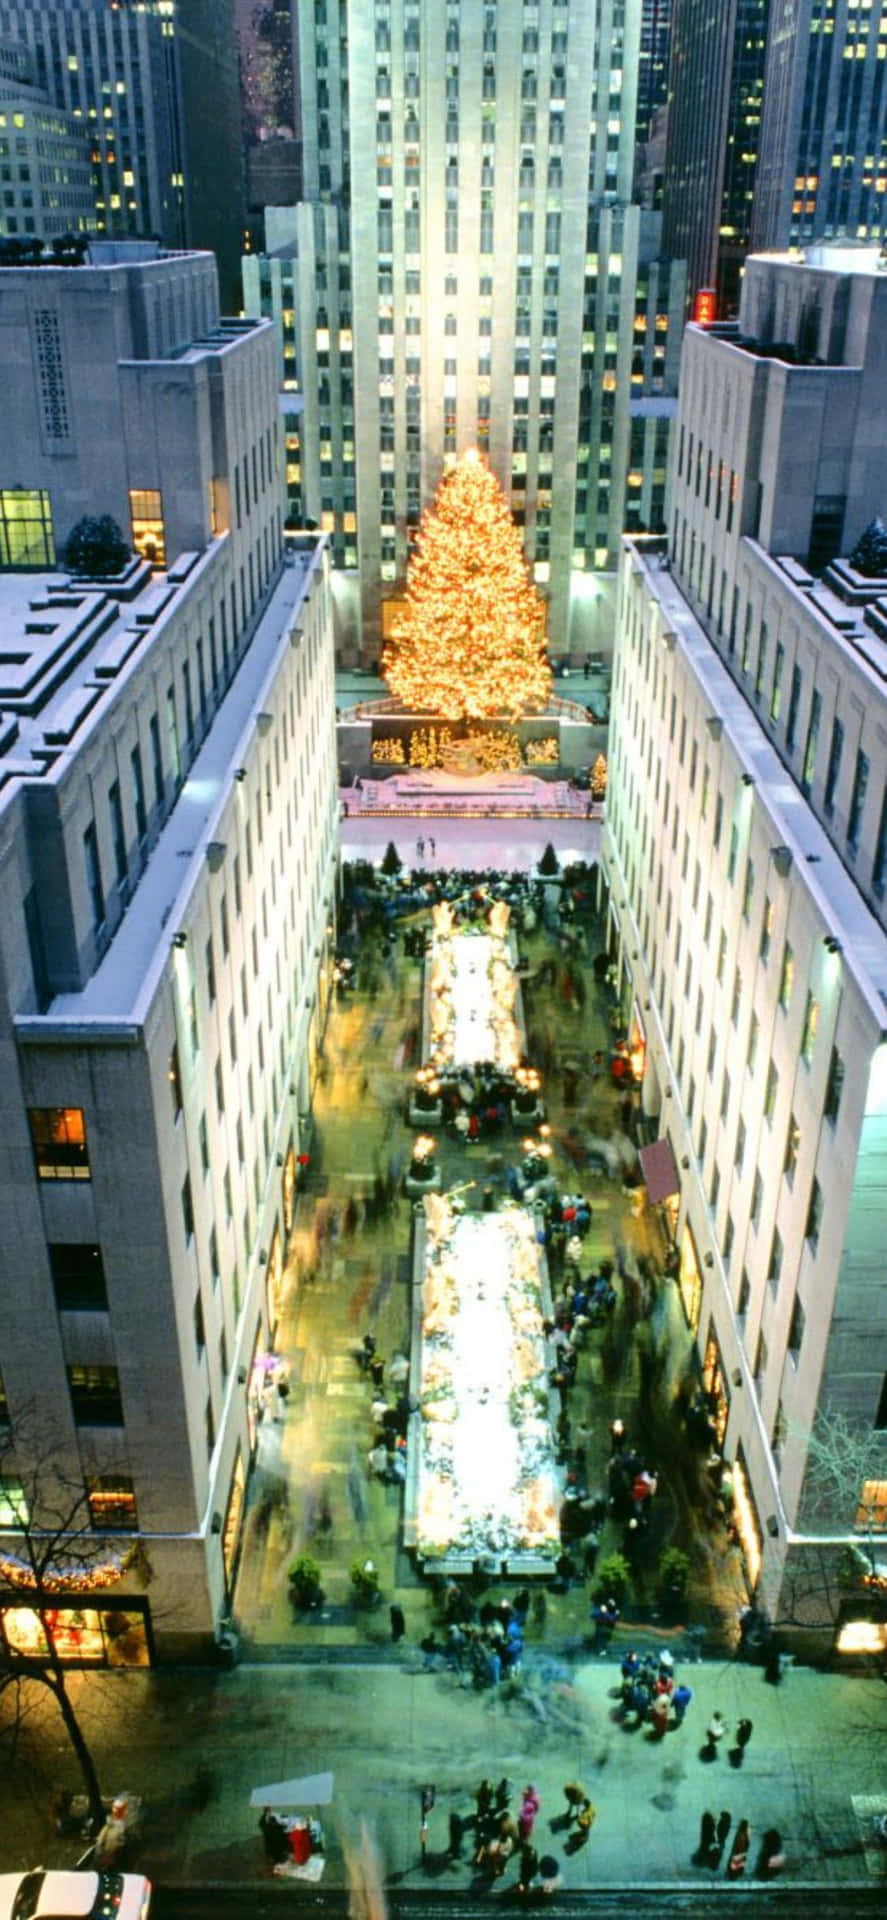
x: 705, y: 307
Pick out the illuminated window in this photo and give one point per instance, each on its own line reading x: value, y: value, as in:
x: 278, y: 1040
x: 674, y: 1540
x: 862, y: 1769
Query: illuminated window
x: 95, y: 1396
x: 25, y: 528
x: 811, y: 1022
x: 112, y: 1504
x: 792, y: 1143
x: 13, y: 1505
x: 58, y: 1136
x: 148, y: 534
x: 787, y: 978
x: 872, y: 1510
x: 833, y: 1089
x: 814, y: 1216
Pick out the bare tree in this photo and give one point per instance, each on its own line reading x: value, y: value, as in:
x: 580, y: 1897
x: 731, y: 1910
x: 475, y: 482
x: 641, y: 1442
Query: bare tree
x: 844, y: 1517
x: 55, y: 1556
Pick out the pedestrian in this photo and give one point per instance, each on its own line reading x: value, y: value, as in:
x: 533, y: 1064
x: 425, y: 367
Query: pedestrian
x: 377, y: 1371
x: 738, y: 1860
x: 617, y: 1435
x: 714, y: 1732
x: 483, y: 1800
x: 431, y: 845
x: 549, y: 1873
x: 575, y: 1797
x: 502, y: 1796
x: 771, y: 1858
x: 398, y: 1623
x: 680, y: 1700
x: 743, y: 1736
x: 274, y: 1836
x: 529, y: 1867
x: 585, y: 1820
x: 527, y: 1817
x: 706, y: 1836
x: 420, y: 847
x: 660, y: 1714
x: 456, y: 1830
x: 725, y: 1822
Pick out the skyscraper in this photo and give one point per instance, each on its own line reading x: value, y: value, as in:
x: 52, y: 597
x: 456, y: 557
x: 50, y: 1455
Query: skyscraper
x: 653, y: 55
x: 168, y: 815
x: 715, y: 87
x: 745, y: 851
x: 822, y: 172
x: 155, y: 88
x: 498, y: 287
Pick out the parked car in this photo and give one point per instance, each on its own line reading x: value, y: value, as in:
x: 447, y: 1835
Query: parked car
x: 60, y: 1895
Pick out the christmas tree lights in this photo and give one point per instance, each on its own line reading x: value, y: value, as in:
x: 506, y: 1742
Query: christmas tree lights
x: 470, y: 641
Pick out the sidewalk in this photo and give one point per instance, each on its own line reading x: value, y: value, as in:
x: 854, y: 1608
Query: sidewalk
x: 818, y: 1740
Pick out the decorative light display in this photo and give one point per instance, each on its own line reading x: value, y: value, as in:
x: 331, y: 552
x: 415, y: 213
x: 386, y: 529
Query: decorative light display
x: 486, y: 1479
x: 73, y: 1579
x: 472, y: 994
x: 470, y: 642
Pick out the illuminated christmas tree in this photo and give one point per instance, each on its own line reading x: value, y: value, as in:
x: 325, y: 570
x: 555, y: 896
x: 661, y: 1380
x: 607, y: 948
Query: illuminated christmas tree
x: 470, y: 641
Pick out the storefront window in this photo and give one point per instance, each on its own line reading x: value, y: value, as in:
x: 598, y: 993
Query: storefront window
x: 274, y: 1281
x: 254, y: 1390
x: 233, y: 1518
x: 715, y: 1384
x: 289, y: 1189
x: 746, y: 1522
x: 690, y: 1280
x: 862, y: 1636
x: 13, y: 1506
x: 872, y: 1510
x: 79, y: 1636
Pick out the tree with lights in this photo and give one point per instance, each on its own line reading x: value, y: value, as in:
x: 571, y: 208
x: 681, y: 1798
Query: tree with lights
x: 470, y: 642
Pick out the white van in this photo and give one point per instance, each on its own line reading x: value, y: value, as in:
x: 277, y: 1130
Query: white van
x: 59, y: 1895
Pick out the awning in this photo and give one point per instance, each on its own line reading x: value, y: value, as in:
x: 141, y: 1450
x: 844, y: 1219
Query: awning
x: 312, y: 1790
x: 659, y: 1171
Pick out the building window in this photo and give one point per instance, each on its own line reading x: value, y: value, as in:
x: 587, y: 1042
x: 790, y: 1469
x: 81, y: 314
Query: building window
x: 757, y: 1194
x: 774, y: 1266
x: 94, y: 876
x: 742, y: 1303
x: 791, y: 724
x: 776, y: 688
x: 879, y: 866
x: 138, y: 793
x: 146, y: 514
x: 770, y: 1092
x: 753, y: 1037
x: 766, y: 930
x: 95, y: 1396
x: 812, y: 742
x: 857, y: 801
x: 58, y: 1136
x: 174, y: 1077
x: 796, y: 1329
x: 78, y: 1277
x: 811, y: 1022
x: 187, y: 1207
x: 787, y: 978
x: 739, y: 1154
x: 112, y: 1503
x: 748, y: 889
x: 792, y: 1144
x: 814, y: 1215
x: 834, y: 767
x: 25, y: 529
x: 833, y: 1088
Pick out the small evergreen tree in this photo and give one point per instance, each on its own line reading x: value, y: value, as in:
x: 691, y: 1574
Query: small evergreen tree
x: 392, y: 862
x: 549, y: 863
x: 96, y: 547
x: 869, y: 555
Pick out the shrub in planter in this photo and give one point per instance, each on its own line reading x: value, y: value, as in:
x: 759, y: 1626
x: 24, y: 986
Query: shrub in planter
x: 303, y: 1575
x: 96, y: 547
x: 612, y: 1578
x: 673, y: 1574
x: 365, y: 1581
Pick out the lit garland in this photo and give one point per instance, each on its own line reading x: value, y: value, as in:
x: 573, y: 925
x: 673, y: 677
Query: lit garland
x: 470, y: 643
x: 17, y: 1573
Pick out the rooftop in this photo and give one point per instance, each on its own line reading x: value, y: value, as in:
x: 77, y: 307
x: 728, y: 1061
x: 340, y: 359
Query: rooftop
x: 794, y: 825
x: 122, y: 987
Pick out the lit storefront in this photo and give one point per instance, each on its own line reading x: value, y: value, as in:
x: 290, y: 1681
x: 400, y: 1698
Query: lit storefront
x: 690, y: 1279
x: 288, y: 1189
x: 79, y: 1635
x: 274, y: 1281
x: 714, y: 1380
x: 231, y: 1530
x: 745, y: 1520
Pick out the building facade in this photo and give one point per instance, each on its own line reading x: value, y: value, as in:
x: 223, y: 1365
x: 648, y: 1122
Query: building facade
x: 168, y: 822
x: 499, y: 288
x: 715, y: 89
x: 746, y: 864
x: 45, y: 169
x: 822, y: 172
x: 155, y: 89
